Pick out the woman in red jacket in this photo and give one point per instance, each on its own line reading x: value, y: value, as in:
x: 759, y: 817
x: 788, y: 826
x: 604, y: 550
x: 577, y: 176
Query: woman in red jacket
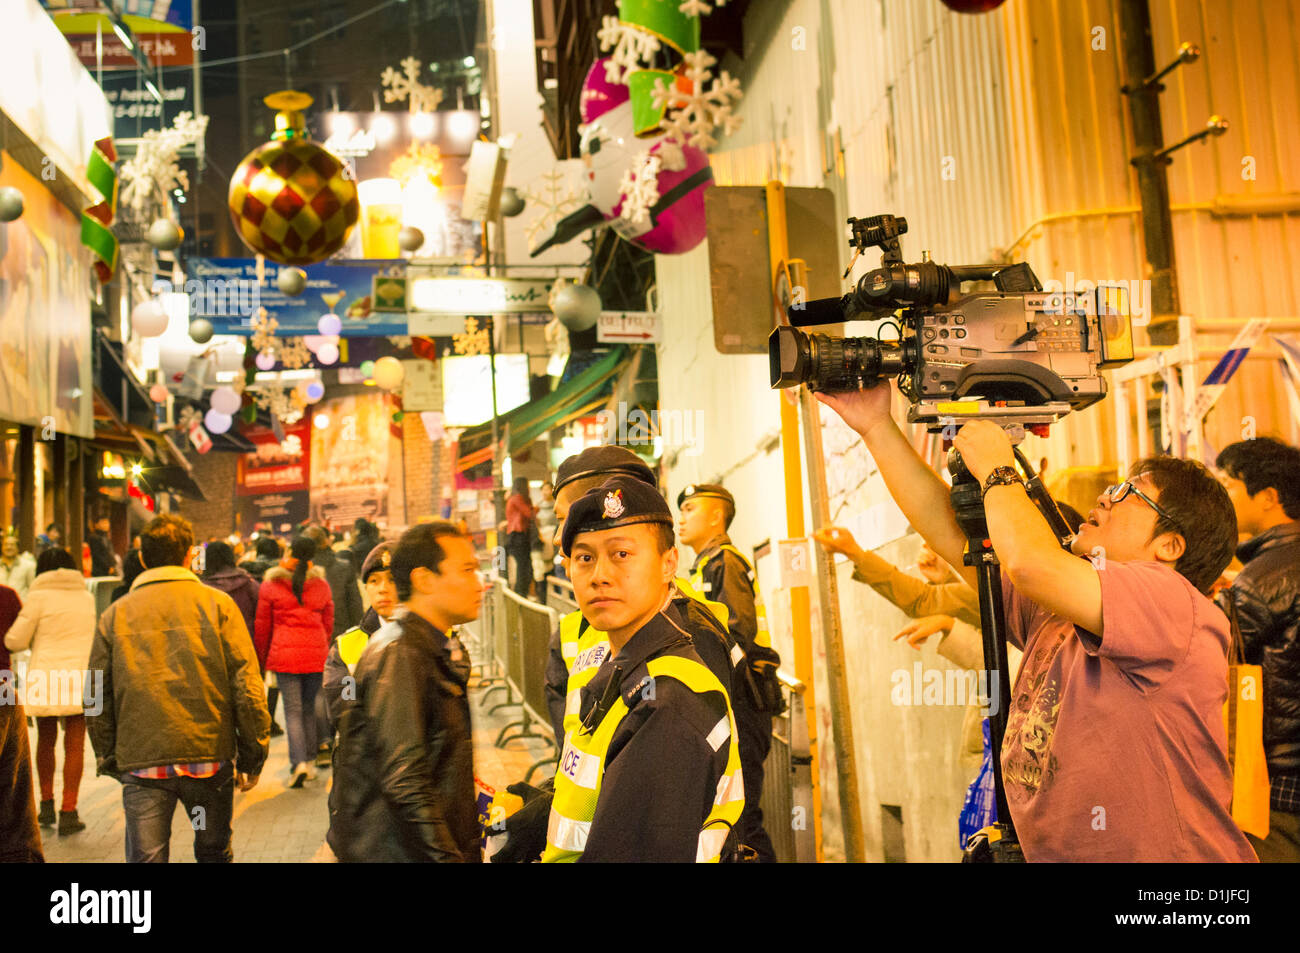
x: 295, y: 616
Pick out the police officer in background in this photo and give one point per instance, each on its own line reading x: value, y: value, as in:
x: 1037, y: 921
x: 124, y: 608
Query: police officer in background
x: 721, y: 572
x: 652, y: 770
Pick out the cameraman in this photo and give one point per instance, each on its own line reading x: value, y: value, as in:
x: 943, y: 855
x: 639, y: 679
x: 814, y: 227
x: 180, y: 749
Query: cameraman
x: 1115, y: 747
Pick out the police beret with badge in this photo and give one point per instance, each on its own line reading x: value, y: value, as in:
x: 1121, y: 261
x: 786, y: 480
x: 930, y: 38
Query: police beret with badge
x: 379, y: 559
x: 619, y: 501
x: 713, y: 490
x: 599, y: 461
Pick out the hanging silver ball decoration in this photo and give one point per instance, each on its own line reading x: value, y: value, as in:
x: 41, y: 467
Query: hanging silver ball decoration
x: 11, y: 204
x: 164, y: 235
x: 512, y: 203
x: 410, y: 238
x: 577, y: 306
x: 291, y: 281
x: 201, y: 330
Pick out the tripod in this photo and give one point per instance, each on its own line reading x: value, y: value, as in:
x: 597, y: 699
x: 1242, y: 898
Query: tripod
x: 997, y: 843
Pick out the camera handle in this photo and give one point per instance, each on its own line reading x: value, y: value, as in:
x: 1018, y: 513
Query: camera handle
x: 998, y: 843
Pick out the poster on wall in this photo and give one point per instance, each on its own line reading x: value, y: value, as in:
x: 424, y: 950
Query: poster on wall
x: 276, y: 466
x: 45, y: 377
x: 349, y: 478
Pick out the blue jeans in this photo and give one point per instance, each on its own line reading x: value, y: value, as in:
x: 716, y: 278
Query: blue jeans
x: 149, y: 805
x: 299, y: 693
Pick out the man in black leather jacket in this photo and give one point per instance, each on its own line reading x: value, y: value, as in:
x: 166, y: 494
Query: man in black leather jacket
x: 404, y: 772
x: 1262, y: 477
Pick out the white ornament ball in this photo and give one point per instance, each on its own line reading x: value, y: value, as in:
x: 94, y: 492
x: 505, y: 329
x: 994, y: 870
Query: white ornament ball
x: 389, y: 373
x: 577, y: 307
x: 158, y: 393
x: 291, y: 281
x: 265, y: 360
x: 201, y: 330
x: 148, y: 319
x: 512, y: 203
x: 313, y: 342
x: 217, y: 422
x: 225, y: 401
x: 327, y: 353
x: 315, y: 391
x: 329, y: 324
x: 410, y: 238
x: 164, y: 235
x: 11, y: 203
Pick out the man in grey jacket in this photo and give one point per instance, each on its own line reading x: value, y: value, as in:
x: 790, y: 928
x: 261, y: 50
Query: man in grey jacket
x: 174, y: 701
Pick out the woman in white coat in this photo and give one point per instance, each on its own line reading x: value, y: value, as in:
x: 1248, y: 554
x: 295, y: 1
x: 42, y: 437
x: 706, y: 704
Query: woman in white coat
x: 57, y: 622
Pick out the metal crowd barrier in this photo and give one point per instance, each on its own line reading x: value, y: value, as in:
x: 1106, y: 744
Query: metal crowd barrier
x: 559, y: 595
x: 787, y: 781
x: 514, y: 635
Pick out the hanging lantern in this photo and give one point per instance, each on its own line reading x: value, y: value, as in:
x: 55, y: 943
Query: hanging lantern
x: 164, y: 235
x: 201, y: 330
x: 291, y: 199
x: 389, y: 372
x: 291, y: 281
x: 148, y: 319
x: 11, y: 204
x: 410, y: 238
x: 512, y: 203
x: 577, y: 306
x: 217, y: 422
x: 224, y: 400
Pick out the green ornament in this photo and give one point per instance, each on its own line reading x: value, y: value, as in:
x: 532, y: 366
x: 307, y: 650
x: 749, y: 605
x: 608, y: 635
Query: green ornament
x: 663, y: 20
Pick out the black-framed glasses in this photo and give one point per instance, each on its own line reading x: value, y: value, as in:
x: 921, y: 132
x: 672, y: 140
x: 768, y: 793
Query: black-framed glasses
x: 1118, y: 492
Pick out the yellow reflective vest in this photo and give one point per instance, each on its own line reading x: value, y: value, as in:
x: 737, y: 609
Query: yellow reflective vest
x: 585, y: 649
x: 582, y: 770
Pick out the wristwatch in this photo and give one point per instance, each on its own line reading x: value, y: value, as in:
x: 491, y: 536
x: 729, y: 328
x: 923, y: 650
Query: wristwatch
x: 1001, y: 476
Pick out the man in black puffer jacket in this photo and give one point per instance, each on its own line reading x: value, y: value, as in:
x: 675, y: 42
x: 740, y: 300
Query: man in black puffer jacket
x: 404, y: 769
x: 1262, y: 477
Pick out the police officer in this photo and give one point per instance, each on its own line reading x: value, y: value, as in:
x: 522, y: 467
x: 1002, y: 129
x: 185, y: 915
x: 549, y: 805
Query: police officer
x: 381, y: 593
x: 723, y: 573
x: 577, y: 648
x: 651, y: 771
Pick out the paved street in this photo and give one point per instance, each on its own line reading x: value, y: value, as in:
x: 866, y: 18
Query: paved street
x: 272, y: 823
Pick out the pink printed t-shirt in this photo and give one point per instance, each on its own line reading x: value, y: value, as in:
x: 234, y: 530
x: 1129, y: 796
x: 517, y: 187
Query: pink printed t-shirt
x: 1115, y: 746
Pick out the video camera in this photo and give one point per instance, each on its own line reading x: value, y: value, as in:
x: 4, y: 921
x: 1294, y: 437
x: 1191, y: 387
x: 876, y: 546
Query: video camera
x: 1015, y: 355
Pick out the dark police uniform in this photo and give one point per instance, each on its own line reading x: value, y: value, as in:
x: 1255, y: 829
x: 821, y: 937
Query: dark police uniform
x: 720, y: 572
x: 651, y: 771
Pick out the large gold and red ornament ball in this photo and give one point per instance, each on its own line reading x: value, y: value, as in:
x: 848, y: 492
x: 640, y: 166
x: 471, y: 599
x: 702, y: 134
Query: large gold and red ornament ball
x: 291, y: 199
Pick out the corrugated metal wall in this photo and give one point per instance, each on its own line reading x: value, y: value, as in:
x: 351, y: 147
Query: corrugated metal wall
x: 992, y: 133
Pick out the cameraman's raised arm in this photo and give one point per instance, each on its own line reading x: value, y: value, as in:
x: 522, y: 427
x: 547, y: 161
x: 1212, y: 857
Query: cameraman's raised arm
x: 917, y: 489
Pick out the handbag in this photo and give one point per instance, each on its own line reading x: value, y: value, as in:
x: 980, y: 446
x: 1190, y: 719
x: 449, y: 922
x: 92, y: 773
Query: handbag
x: 1243, y: 717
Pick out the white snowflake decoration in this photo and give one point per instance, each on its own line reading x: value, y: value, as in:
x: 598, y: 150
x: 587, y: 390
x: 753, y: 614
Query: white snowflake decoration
x: 406, y: 85
x: 698, y: 8
x: 153, y: 171
x: 554, y: 202
x: 692, y: 118
x: 294, y: 354
x: 264, y: 326
x: 640, y: 190
x: 633, y: 48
